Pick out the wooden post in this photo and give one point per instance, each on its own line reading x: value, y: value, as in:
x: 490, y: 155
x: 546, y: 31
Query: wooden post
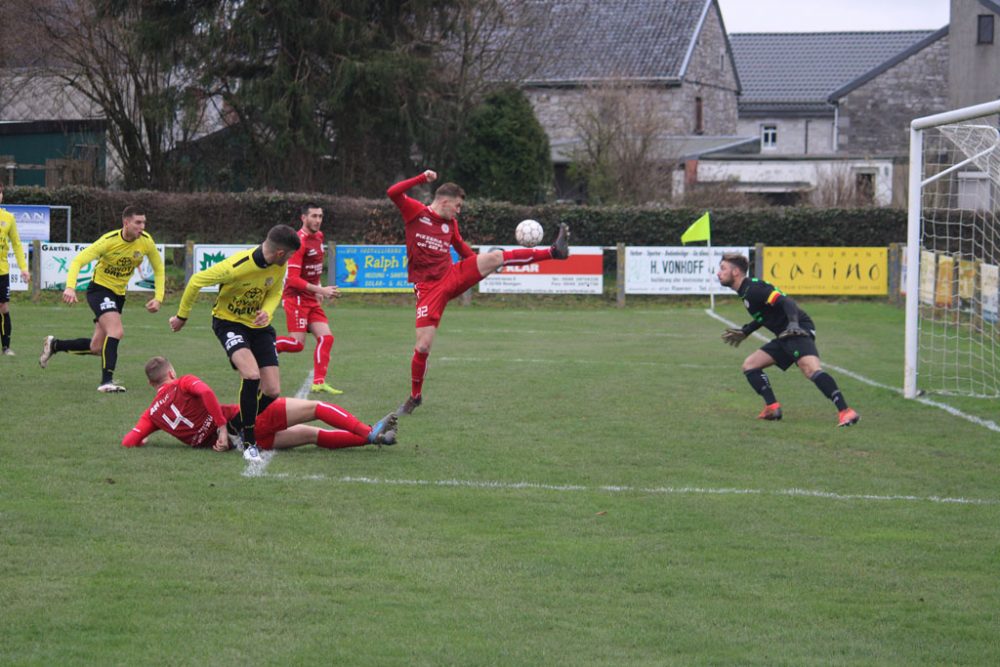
x: 620, y: 275
x: 331, y: 263
x: 758, y: 260
x: 895, y: 269
x: 188, y: 261
x: 36, y: 270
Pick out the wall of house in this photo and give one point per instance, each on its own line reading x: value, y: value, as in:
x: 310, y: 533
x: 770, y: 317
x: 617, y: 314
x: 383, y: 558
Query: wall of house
x: 710, y: 75
x: 875, y: 117
x: 796, y: 136
x: 809, y: 174
x: 974, y: 69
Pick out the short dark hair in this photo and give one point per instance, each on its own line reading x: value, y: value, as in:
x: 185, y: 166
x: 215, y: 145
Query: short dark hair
x: 737, y: 260
x: 132, y: 210
x: 453, y: 190
x: 304, y: 209
x: 284, y: 236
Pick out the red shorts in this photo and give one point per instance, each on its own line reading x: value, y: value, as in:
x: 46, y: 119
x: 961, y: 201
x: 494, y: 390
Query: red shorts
x: 300, y: 313
x: 432, y: 297
x: 269, y: 422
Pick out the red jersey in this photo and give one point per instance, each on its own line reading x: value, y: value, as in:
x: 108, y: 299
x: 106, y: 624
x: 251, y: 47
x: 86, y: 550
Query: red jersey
x: 429, y: 237
x: 187, y: 409
x: 305, y: 266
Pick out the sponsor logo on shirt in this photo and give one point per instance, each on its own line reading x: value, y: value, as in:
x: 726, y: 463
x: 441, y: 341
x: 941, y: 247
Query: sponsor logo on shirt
x: 424, y: 219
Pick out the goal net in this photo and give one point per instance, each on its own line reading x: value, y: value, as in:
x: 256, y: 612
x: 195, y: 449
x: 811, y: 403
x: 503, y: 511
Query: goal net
x: 953, y: 254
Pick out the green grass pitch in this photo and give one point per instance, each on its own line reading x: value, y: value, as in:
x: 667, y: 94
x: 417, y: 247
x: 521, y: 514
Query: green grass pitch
x: 582, y: 486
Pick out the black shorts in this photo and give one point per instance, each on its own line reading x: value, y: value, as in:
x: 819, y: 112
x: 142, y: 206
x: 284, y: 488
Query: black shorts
x: 235, y: 336
x: 102, y: 300
x: 786, y: 352
x: 4, y: 287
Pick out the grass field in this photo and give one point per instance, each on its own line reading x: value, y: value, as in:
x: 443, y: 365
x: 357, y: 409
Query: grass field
x: 582, y: 486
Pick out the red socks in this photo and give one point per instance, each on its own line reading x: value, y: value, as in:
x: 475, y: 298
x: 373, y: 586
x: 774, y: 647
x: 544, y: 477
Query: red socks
x: 287, y: 344
x: 418, y: 368
x: 321, y: 359
x: 338, y: 417
x: 526, y: 255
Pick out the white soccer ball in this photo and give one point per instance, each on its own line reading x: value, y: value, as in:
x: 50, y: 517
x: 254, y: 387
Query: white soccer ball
x: 529, y: 233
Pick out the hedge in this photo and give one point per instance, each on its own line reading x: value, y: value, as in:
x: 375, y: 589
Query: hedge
x: 246, y: 217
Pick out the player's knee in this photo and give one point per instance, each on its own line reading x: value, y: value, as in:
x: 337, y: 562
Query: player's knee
x: 749, y: 365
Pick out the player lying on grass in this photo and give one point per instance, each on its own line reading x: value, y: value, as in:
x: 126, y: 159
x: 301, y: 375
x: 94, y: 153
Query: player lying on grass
x: 188, y: 409
x: 795, y: 342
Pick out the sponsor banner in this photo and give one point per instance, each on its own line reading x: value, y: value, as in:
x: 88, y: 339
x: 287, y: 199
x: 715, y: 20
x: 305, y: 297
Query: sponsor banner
x: 32, y: 222
x: 943, y: 291
x: 676, y: 269
x: 928, y: 271
x: 206, y: 255
x: 16, y: 283
x: 989, y: 282
x: 817, y: 270
x: 56, y: 258
x: 372, y: 268
x: 966, y: 279
x: 581, y: 273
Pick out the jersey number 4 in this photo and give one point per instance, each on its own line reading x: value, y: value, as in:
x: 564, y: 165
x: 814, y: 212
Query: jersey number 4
x: 179, y: 418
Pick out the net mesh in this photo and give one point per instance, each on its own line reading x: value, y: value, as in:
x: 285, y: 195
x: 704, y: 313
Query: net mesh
x: 958, y: 351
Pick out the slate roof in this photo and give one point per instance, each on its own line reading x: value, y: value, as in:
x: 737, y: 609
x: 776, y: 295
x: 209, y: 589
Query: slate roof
x: 588, y: 40
x: 797, y: 72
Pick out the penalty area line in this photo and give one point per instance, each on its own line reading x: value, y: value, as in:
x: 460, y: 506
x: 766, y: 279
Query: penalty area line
x: 640, y: 490
x: 955, y: 412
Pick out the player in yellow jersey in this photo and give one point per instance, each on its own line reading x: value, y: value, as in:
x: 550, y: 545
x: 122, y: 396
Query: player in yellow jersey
x: 250, y: 284
x: 118, y: 254
x: 8, y: 239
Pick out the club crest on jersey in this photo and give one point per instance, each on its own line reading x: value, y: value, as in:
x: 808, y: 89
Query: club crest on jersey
x: 445, y: 228
x: 269, y: 282
x: 136, y: 255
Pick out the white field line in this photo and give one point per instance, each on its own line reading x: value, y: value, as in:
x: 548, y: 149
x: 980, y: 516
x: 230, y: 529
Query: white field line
x: 639, y: 490
x: 578, y: 362
x: 955, y: 412
x: 259, y: 469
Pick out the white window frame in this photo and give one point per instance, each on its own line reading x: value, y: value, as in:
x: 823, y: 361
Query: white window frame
x: 766, y: 131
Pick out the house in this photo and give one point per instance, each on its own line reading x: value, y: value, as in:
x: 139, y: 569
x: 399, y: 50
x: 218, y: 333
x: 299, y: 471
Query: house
x: 675, y: 51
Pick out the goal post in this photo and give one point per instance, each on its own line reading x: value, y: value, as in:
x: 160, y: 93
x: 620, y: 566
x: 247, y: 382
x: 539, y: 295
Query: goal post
x: 952, y: 341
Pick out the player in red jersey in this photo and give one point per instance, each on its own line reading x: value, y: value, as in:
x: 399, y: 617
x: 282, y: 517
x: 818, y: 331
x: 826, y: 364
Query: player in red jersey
x: 431, y: 230
x: 188, y: 409
x: 303, y: 296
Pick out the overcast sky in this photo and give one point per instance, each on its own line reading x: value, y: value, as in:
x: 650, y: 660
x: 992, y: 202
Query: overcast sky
x: 832, y: 15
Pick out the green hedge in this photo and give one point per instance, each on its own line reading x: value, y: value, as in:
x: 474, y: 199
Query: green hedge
x: 246, y: 217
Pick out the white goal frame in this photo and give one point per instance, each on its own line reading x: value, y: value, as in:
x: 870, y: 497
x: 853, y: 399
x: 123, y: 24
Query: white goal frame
x: 915, y: 226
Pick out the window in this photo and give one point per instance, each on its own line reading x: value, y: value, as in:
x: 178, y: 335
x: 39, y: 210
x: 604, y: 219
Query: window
x: 699, y: 116
x: 769, y: 136
x: 864, y: 187
x: 984, y: 29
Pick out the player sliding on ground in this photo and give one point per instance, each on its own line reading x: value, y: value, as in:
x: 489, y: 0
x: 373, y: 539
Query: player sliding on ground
x: 431, y: 230
x: 188, y: 409
x: 795, y: 342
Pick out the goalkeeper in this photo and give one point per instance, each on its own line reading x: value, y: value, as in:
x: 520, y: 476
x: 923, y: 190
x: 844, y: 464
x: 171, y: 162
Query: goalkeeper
x: 795, y: 342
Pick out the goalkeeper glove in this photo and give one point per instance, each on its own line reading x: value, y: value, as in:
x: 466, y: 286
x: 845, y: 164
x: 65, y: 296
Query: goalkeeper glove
x: 733, y: 337
x: 793, y: 330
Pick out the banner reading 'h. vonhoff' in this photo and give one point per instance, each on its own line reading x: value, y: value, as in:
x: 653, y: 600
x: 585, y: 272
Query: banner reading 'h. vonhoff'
x: 675, y: 270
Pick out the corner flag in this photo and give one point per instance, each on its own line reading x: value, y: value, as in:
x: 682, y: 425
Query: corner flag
x: 700, y: 230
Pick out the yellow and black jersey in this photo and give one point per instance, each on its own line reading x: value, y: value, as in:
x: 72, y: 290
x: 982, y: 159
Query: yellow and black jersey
x: 247, y: 284
x: 117, y: 259
x: 10, y: 239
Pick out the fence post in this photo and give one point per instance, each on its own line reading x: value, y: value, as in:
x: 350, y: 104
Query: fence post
x: 188, y: 260
x: 895, y: 272
x: 620, y: 275
x: 36, y: 270
x: 758, y: 260
x: 331, y: 263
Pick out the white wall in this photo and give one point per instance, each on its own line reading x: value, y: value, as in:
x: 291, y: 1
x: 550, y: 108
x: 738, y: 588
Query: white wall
x: 792, y: 134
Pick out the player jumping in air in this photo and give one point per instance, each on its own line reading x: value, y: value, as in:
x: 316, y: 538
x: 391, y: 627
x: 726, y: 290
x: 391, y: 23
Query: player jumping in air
x: 9, y: 239
x: 795, y: 342
x: 118, y: 254
x: 431, y: 230
x: 188, y: 409
x: 303, y: 297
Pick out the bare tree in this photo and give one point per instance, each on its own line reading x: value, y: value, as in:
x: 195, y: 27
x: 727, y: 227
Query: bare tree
x: 104, y: 58
x: 624, y: 153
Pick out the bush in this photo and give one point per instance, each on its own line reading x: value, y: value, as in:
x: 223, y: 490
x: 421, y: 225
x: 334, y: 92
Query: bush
x: 246, y: 217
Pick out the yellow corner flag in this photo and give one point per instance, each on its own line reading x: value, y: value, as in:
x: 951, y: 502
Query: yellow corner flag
x: 700, y: 230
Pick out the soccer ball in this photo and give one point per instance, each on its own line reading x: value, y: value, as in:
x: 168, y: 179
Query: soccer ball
x: 529, y: 233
